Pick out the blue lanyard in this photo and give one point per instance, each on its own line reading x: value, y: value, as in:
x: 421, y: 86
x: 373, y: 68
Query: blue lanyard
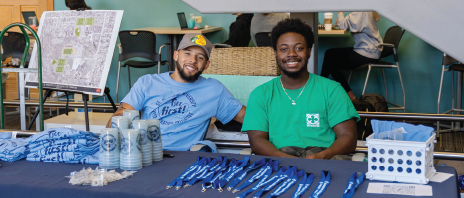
x: 179, y: 181
x: 264, y: 171
x: 264, y: 181
x: 213, y: 175
x: 200, y: 173
x: 303, y: 186
x: 235, y: 170
x: 291, y: 180
x: 208, y: 172
x: 242, y: 176
x: 355, y: 180
x: 323, y: 183
x: 199, y: 170
x: 290, y: 171
x: 232, y: 165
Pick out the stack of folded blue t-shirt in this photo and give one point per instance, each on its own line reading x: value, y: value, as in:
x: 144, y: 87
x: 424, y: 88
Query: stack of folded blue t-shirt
x: 12, y: 149
x: 64, y: 145
x: 5, y: 135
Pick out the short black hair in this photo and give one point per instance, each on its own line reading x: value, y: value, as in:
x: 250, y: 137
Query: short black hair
x: 76, y: 4
x: 292, y: 25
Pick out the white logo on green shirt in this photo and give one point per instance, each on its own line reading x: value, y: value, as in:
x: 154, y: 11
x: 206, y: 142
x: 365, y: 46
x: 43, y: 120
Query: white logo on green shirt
x: 312, y: 120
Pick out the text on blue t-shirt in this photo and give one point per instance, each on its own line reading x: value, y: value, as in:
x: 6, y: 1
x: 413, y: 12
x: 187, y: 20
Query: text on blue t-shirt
x: 184, y: 109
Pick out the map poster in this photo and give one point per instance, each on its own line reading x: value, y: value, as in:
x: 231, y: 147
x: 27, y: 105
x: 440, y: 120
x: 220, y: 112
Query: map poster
x: 77, y: 49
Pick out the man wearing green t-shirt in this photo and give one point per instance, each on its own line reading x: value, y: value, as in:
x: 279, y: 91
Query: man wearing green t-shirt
x: 299, y: 114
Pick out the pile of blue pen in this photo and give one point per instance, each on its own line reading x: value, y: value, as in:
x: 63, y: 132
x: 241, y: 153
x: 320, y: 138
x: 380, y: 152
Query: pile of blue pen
x: 219, y: 173
x: 64, y: 145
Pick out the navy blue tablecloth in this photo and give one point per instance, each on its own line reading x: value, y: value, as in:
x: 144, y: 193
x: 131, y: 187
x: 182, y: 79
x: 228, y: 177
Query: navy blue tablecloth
x: 37, y: 179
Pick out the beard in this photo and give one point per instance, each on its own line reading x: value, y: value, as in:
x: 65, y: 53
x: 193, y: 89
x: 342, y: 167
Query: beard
x: 185, y: 77
x: 294, y: 74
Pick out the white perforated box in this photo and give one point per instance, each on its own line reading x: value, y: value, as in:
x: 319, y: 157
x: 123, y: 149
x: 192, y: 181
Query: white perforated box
x: 400, y: 161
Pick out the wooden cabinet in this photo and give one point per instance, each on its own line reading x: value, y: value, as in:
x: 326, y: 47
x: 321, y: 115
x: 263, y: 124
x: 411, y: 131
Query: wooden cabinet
x: 10, y: 12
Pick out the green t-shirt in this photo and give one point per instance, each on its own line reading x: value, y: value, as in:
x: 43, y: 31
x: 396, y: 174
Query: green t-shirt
x: 322, y: 105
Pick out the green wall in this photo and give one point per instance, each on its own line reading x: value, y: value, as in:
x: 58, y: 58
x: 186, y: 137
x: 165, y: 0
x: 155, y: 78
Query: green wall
x: 420, y: 62
x: 420, y: 65
x: 150, y: 13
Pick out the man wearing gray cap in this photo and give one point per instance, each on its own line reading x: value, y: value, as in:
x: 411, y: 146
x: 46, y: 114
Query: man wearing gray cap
x: 183, y: 101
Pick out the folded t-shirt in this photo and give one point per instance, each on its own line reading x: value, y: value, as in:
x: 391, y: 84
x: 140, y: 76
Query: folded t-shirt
x: 5, y: 135
x: 62, y: 133
x: 12, y: 149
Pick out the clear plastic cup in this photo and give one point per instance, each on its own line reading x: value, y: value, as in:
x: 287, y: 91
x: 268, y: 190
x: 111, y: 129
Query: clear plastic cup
x: 131, y: 115
x: 120, y: 123
x: 391, y: 135
x: 33, y: 22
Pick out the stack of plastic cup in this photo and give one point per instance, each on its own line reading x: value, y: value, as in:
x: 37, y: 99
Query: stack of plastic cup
x: 131, y: 153
x: 155, y: 130
x: 132, y: 115
x: 109, y: 148
x: 120, y: 123
x: 145, y: 141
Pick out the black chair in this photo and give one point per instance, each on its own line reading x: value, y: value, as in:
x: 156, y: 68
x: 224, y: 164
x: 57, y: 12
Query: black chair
x: 14, y: 44
x: 453, y: 65
x: 263, y: 39
x: 390, y: 47
x: 140, y: 44
x: 243, y: 40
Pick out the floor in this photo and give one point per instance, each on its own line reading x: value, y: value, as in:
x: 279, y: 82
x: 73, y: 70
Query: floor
x: 14, y: 122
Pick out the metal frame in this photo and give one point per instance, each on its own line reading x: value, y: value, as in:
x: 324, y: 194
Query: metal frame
x: 62, y: 104
x: 21, y: 70
x: 397, y: 66
x: 128, y: 70
x: 452, y: 110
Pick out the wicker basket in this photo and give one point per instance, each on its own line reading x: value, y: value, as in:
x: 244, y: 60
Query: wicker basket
x: 247, y: 61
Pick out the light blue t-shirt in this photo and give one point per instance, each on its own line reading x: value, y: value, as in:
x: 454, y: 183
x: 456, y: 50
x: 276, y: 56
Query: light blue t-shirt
x: 184, y: 109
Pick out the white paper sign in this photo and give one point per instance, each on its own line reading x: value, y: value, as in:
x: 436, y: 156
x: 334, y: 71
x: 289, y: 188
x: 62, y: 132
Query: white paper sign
x: 440, y: 177
x: 400, y: 189
x: 77, y: 50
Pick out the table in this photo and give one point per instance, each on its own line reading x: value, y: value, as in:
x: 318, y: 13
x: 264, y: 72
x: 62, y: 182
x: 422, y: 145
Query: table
x: 97, y: 122
x: 23, y: 179
x: 332, y: 32
x: 172, y: 33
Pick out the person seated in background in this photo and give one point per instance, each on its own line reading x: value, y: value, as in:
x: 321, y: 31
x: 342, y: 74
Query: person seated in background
x: 299, y: 114
x: 242, y: 22
x: 264, y: 22
x: 76, y: 4
x: 366, y: 36
x: 183, y: 101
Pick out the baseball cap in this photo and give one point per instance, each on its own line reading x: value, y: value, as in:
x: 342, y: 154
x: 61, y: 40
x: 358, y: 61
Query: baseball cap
x: 192, y: 39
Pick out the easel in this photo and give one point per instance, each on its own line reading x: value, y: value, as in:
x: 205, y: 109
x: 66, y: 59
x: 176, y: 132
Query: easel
x: 48, y: 93
x: 85, y: 98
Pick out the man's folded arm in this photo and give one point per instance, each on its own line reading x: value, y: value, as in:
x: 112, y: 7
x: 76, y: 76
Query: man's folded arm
x: 260, y: 145
x: 345, y: 142
x: 240, y: 115
x: 122, y: 107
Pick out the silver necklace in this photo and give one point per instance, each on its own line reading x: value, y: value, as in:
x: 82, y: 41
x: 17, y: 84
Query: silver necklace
x: 293, y: 101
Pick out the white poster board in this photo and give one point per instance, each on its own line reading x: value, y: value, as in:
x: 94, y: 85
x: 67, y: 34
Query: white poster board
x: 77, y: 49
